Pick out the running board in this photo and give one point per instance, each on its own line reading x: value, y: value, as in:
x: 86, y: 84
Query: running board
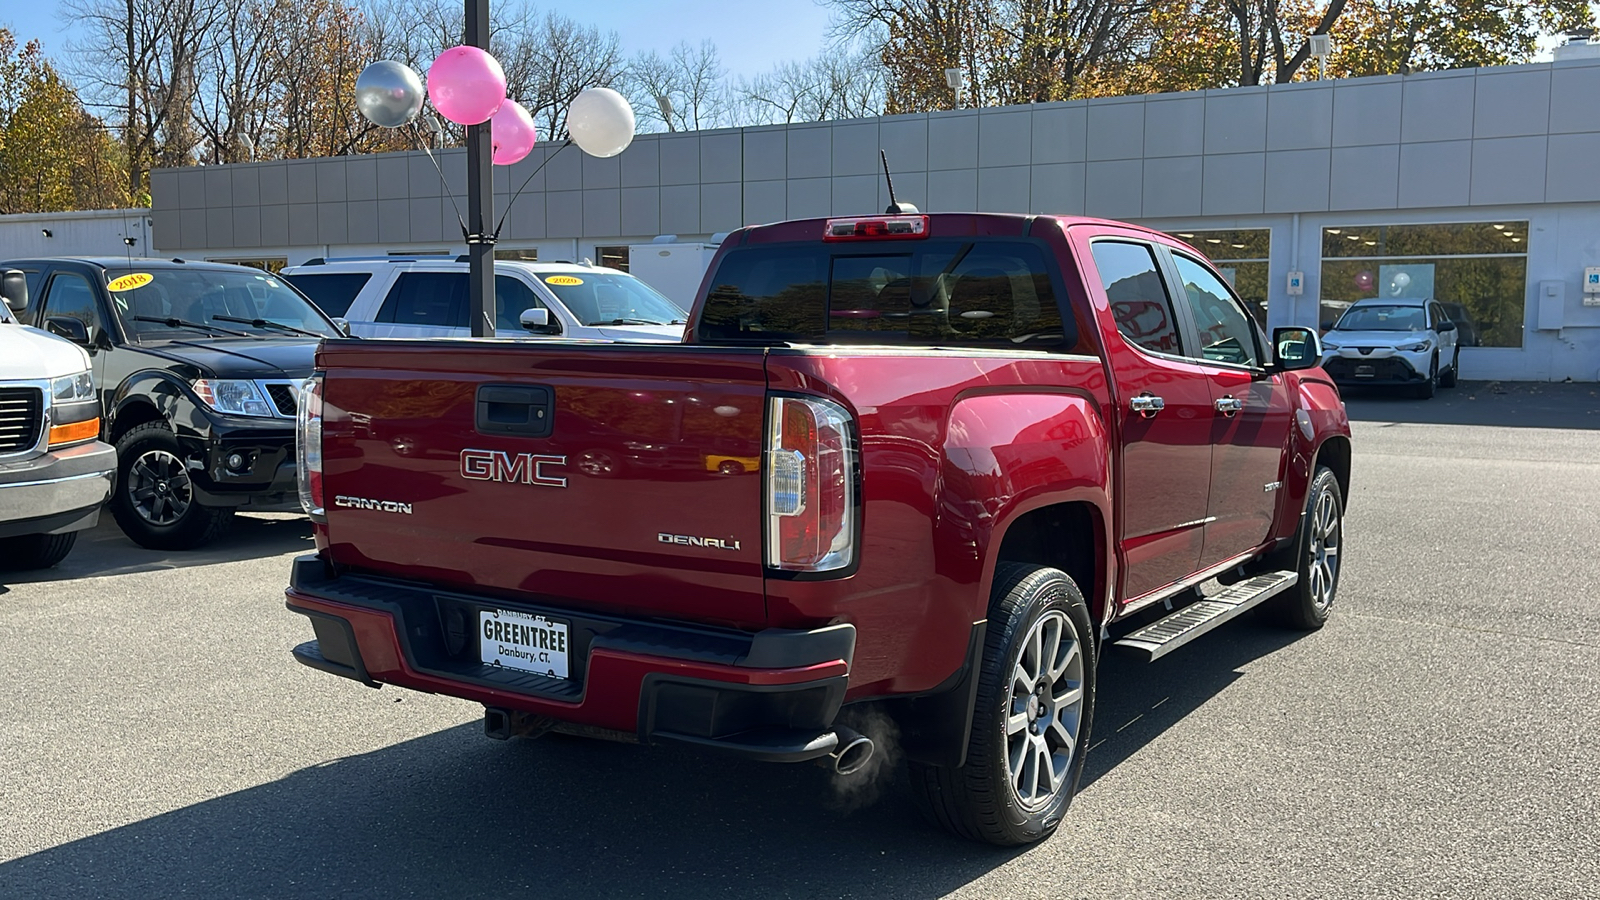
x: 1160, y: 638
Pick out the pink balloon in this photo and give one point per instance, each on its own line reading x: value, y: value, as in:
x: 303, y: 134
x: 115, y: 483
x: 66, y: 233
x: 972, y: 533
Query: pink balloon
x: 466, y: 85
x: 1364, y: 281
x: 511, y: 133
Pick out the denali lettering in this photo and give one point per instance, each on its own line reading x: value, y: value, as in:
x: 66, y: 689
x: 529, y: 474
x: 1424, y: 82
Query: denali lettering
x: 685, y: 540
x: 388, y: 506
x: 520, y: 468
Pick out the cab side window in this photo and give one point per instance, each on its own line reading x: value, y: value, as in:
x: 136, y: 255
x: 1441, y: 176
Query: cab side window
x: 1137, y: 295
x: 1225, y: 330
x: 71, y: 297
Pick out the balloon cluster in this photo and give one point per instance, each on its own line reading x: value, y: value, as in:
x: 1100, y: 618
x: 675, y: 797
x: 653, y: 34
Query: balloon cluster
x: 468, y: 87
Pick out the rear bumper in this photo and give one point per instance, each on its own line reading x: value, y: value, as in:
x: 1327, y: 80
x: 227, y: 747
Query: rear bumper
x: 57, y: 492
x: 770, y: 695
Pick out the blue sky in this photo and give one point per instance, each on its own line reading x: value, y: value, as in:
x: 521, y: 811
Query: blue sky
x: 751, y: 37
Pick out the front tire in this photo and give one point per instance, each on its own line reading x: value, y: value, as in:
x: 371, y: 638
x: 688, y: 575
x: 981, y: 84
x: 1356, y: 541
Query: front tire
x: 1030, y: 730
x: 155, y: 501
x: 1424, y: 391
x: 1317, y: 550
x: 35, y: 551
x: 1448, y: 379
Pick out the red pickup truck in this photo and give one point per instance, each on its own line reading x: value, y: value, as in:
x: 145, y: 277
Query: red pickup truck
x: 927, y: 463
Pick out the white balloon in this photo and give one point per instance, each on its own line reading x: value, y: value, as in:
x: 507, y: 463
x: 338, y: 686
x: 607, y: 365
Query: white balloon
x: 601, y: 122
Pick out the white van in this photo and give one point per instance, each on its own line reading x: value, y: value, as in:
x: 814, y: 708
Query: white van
x: 423, y: 297
x: 54, y: 471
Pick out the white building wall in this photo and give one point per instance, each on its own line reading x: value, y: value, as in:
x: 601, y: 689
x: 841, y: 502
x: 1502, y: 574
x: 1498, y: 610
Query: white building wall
x: 1477, y: 145
x: 89, y: 233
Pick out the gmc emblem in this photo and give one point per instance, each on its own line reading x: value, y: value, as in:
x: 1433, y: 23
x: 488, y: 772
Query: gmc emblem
x: 519, y: 468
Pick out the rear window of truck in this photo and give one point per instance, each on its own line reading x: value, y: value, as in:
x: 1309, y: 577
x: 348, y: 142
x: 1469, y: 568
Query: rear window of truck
x: 992, y: 293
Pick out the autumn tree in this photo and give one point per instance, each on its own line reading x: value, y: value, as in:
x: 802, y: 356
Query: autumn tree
x: 54, y: 155
x: 1385, y: 37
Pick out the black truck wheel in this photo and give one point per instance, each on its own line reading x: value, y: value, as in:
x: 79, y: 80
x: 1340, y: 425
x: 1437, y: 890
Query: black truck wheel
x: 35, y: 551
x: 1316, y: 558
x: 154, y: 501
x: 1031, y: 725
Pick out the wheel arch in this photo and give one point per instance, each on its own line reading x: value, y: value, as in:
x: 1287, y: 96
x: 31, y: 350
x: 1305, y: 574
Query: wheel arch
x: 1334, y: 452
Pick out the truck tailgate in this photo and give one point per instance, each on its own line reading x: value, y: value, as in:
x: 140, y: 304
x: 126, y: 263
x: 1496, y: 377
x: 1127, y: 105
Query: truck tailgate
x: 633, y: 486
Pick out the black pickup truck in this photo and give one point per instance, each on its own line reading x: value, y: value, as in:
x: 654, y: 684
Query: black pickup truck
x: 198, y: 367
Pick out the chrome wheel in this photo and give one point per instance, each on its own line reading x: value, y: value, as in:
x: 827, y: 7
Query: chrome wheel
x: 1046, y: 710
x: 1326, y: 531
x: 159, y: 486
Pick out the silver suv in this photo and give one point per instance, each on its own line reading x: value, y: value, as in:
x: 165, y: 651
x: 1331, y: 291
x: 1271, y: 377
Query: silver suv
x: 426, y: 297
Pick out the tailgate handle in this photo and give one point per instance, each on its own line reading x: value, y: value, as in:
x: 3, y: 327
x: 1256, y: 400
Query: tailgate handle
x: 527, y: 410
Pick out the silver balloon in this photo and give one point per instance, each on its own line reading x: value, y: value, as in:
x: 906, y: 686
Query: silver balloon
x: 389, y: 94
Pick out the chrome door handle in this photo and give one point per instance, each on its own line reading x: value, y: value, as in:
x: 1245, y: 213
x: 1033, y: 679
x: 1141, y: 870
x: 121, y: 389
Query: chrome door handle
x: 1147, y: 405
x: 1228, y: 405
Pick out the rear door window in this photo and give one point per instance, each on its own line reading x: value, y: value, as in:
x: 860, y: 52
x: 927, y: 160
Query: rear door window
x: 332, y: 292
x: 431, y: 299
x: 930, y: 293
x: 1137, y: 295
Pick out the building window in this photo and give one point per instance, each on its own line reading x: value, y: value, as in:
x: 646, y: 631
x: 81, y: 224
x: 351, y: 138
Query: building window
x: 1242, y: 256
x: 527, y: 254
x: 1478, y: 270
x: 269, y: 264
x: 613, y: 257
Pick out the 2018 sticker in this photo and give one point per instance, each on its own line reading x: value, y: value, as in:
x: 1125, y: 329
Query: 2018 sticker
x: 565, y: 280
x: 130, y: 282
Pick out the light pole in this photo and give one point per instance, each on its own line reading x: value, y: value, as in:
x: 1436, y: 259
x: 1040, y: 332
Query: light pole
x: 480, y: 196
x: 954, y: 78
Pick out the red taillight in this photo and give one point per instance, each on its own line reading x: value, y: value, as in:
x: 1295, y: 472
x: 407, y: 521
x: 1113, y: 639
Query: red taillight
x: 875, y: 228
x: 811, y: 485
x: 308, y: 445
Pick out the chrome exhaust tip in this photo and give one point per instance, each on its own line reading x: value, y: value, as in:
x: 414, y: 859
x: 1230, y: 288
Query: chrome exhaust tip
x: 853, y: 751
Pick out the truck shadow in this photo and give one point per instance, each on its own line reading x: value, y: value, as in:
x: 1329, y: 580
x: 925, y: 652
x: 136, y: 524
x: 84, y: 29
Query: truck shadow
x: 453, y: 814
x: 105, y: 550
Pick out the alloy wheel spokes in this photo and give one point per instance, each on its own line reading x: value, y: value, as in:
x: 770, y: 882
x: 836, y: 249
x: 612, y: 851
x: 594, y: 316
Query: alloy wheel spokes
x: 1046, y: 709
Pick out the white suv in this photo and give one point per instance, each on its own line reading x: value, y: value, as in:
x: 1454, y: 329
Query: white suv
x: 425, y: 297
x: 1404, y: 342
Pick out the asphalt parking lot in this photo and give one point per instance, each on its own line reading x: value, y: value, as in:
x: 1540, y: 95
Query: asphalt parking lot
x: 1439, y: 738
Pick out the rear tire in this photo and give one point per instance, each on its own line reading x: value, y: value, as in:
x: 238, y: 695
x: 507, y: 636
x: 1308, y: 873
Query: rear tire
x: 154, y: 501
x: 35, y: 551
x: 1316, y: 558
x: 1030, y: 729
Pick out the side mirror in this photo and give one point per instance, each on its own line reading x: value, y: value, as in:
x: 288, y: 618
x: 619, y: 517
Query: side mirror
x: 1445, y: 326
x: 342, y: 324
x: 65, y: 326
x: 537, y: 321
x: 14, y: 286
x: 1295, y: 348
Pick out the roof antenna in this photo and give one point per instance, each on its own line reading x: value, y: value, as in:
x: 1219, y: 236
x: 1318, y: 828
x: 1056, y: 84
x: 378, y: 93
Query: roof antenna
x: 896, y: 208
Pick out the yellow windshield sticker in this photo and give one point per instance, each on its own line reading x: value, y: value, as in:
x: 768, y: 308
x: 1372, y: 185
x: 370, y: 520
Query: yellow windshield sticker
x: 129, y: 282
x: 563, y: 280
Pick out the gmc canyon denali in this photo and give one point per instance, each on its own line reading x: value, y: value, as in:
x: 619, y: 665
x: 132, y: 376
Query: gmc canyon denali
x: 934, y: 463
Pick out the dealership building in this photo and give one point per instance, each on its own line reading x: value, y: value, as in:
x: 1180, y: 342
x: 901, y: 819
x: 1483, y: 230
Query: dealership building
x: 1477, y: 187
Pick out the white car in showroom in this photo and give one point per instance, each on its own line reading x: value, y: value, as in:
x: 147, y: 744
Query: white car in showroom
x: 1395, y: 342
x: 426, y: 297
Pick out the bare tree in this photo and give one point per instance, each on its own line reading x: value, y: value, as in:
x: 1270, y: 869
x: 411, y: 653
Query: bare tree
x: 686, y: 90
x: 568, y: 58
x: 138, y: 58
x: 838, y: 84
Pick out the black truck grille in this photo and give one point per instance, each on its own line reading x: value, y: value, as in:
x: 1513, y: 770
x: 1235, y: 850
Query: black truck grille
x: 283, y: 397
x: 21, y: 417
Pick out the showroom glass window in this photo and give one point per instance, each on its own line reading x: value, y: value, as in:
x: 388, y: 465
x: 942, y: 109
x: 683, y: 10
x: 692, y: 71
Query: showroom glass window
x: 1476, y: 269
x: 1241, y: 255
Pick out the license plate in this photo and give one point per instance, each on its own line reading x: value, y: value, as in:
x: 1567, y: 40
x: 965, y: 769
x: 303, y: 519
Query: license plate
x: 1365, y: 371
x: 515, y: 640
